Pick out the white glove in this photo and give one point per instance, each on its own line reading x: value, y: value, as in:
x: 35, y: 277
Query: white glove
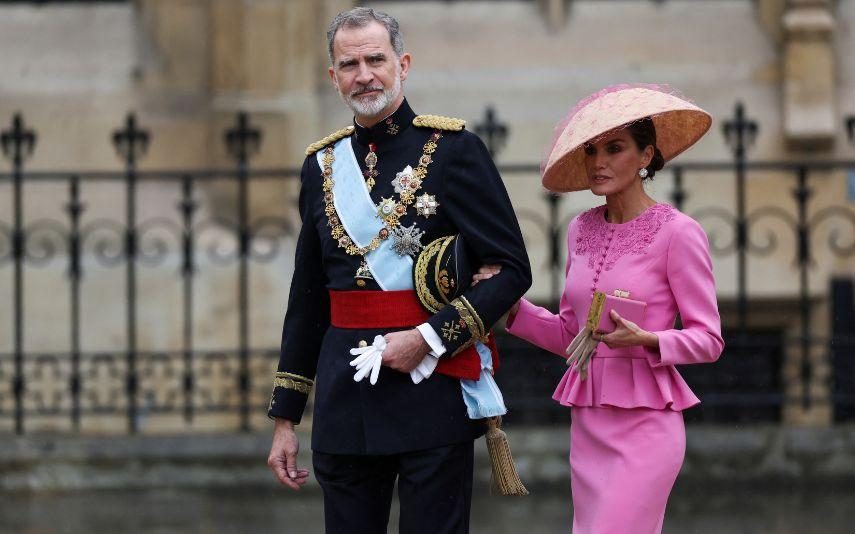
x: 368, y: 359
x: 425, y: 368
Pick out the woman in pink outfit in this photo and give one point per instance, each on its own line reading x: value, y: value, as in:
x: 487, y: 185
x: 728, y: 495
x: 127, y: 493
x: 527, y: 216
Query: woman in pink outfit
x: 627, y: 438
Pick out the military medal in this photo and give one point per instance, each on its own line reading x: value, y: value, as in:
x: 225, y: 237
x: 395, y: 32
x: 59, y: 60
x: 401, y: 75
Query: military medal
x: 403, y: 180
x: 426, y: 205
x: 363, y: 274
x: 407, y: 240
x: 387, y: 209
x: 371, y: 162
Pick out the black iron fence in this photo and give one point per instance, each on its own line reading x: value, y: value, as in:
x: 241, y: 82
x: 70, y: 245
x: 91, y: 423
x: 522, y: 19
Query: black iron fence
x: 132, y: 382
x: 76, y: 383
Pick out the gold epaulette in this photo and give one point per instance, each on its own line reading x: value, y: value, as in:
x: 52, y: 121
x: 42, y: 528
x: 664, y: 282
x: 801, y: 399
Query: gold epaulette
x: 438, y: 122
x: 332, y: 138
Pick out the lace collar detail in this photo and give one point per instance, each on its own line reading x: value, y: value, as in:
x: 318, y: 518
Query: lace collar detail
x: 597, y: 236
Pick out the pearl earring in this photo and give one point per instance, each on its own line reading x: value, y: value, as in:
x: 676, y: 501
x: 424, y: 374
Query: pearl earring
x: 643, y: 173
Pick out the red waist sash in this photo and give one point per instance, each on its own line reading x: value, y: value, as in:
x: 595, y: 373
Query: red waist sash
x: 401, y: 309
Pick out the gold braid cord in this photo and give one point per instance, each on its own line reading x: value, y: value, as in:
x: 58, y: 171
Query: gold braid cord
x: 332, y: 138
x: 438, y: 122
x: 292, y: 381
x: 431, y: 251
x: 438, y: 271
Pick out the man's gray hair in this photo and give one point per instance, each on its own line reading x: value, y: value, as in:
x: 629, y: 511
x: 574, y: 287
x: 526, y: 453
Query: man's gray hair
x: 360, y: 17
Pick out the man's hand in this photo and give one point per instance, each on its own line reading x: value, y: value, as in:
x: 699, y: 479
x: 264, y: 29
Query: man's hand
x: 283, y: 455
x: 405, y: 350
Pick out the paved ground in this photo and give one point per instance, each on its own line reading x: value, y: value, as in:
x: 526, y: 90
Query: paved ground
x: 748, y: 510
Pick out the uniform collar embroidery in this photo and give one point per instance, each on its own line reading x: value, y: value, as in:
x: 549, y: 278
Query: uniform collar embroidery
x: 388, y: 129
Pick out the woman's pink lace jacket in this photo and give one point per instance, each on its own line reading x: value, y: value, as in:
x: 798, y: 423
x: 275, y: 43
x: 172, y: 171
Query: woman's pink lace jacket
x: 660, y: 257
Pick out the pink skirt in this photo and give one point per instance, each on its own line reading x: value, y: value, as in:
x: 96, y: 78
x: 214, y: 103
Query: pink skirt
x: 623, y: 464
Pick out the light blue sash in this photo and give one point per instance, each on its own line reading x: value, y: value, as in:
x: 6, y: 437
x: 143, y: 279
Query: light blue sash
x: 482, y: 397
x: 358, y: 215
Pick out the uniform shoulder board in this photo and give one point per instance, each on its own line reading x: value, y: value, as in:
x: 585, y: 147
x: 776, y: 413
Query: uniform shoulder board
x: 438, y: 122
x: 332, y: 138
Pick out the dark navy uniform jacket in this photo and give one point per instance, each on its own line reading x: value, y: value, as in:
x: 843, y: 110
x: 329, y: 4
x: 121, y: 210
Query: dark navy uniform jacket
x: 394, y: 415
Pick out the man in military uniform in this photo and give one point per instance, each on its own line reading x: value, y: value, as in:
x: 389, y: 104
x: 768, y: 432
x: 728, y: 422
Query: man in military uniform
x: 372, y: 196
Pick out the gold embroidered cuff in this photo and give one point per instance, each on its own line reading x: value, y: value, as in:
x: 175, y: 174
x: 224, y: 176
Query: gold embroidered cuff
x: 292, y: 381
x: 470, y: 316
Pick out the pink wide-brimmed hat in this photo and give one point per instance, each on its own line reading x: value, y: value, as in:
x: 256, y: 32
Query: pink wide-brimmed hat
x: 679, y: 124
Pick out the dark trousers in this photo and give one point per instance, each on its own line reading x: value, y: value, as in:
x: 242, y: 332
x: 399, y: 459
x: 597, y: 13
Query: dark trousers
x: 434, y: 490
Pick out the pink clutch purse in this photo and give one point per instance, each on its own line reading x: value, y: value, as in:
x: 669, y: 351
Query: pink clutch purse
x: 627, y: 308
x: 599, y: 320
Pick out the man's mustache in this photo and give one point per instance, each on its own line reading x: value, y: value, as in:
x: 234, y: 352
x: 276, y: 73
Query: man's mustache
x: 363, y: 90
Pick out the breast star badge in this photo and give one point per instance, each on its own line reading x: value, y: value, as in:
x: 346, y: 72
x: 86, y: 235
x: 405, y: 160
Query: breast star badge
x: 426, y: 205
x: 407, y: 240
x: 386, y: 207
x: 403, y: 179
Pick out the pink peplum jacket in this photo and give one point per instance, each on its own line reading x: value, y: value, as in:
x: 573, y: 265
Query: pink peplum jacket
x: 660, y: 257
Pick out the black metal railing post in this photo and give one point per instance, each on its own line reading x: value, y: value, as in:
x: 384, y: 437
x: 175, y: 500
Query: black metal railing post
x: 188, y: 207
x: 75, y: 210
x: 242, y: 141
x: 740, y: 133
x: 678, y: 195
x: 556, y: 272
x: 802, y: 194
x: 493, y: 132
x: 131, y: 143
x: 18, y: 143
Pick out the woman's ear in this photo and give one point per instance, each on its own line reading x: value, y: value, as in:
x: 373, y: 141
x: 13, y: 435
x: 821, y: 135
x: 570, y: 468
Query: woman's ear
x: 647, y: 156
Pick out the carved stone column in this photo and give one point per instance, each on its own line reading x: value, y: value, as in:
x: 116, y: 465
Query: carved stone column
x: 770, y: 14
x: 554, y: 13
x: 201, y: 61
x: 810, y: 119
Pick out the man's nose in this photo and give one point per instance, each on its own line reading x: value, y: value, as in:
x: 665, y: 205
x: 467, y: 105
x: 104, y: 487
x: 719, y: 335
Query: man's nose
x: 364, y: 76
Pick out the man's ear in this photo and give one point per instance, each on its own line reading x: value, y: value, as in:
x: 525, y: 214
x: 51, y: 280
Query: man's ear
x: 404, y: 61
x: 332, y: 78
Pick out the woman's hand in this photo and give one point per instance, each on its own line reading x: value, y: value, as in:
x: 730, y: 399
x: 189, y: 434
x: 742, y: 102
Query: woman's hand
x: 485, y: 273
x: 627, y: 334
x: 489, y: 271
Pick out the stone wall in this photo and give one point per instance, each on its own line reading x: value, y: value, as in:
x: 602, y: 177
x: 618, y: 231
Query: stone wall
x: 715, y: 456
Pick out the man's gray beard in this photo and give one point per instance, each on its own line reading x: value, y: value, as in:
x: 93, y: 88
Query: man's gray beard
x: 373, y: 107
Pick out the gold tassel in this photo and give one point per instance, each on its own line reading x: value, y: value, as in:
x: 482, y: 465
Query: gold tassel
x: 504, y: 470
